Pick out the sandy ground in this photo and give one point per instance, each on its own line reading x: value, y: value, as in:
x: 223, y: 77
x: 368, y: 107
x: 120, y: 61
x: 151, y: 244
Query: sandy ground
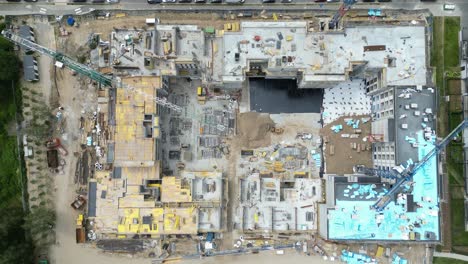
x: 345, y: 157
x: 75, y: 96
x: 296, y: 123
x: 47, y: 39
x: 254, y: 129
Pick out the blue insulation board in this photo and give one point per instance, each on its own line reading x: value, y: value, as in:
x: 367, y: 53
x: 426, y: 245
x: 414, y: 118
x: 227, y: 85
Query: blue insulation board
x: 354, y: 219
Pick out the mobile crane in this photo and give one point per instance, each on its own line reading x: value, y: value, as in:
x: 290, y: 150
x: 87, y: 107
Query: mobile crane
x: 81, y: 68
x: 407, y: 175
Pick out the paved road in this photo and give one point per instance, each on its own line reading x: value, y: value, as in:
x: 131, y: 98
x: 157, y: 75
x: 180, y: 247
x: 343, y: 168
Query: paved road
x: 60, y: 7
x: 451, y: 255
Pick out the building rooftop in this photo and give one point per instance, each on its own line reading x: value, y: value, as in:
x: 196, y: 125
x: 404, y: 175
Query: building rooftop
x: 138, y: 202
x: 30, y: 69
x: 26, y: 32
x: 414, y: 215
x: 279, y: 205
x: 137, y: 122
x: 326, y: 58
x: 420, y: 115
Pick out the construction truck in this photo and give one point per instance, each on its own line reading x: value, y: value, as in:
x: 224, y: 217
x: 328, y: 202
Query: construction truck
x: 79, y: 202
x: 54, y: 143
x: 276, y: 130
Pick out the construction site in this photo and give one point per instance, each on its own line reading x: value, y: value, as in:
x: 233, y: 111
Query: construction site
x: 217, y: 134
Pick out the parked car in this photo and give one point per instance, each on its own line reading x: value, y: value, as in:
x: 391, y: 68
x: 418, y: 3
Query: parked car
x: 200, y: 1
x: 286, y: 1
x: 216, y: 1
x: 154, y: 1
x: 169, y: 1
x: 235, y: 1
x: 185, y: 1
x: 30, y: 0
x: 449, y: 7
x: 268, y: 1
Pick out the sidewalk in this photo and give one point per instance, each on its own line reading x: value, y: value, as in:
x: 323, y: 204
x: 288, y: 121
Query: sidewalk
x: 451, y: 255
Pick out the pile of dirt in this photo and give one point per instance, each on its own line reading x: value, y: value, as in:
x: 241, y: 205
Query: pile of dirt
x: 254, y: 129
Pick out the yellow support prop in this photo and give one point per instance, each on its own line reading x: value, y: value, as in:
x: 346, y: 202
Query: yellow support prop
x: 275, y: 18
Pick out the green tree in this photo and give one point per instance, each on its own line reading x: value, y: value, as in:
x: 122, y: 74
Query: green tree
x: 8, y: 66
x: 40, y: 220
x: 5, y: 45
x: 13, y: 245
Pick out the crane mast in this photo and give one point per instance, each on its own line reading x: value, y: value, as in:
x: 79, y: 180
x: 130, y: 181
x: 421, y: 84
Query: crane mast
x: 345, y: 6
x: 81, y: 68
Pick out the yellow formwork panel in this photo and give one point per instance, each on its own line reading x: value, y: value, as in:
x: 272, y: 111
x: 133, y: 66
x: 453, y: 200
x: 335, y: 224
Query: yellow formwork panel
x: 131, y: 107
x: 173, y: 191
x: 130, y: 222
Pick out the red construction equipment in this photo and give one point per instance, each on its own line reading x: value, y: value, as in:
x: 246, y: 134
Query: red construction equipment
x: 55, y: 143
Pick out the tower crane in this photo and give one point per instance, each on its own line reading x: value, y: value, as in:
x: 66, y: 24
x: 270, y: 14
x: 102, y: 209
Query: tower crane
x: 345, y: 6
x: 81, y: 68
x: 407, y: 175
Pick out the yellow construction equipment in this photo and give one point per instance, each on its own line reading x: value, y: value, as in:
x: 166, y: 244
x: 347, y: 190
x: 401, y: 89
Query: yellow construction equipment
x: 232, y: 26
x: 177, y: 222
x: 201, y: 95
x: 379, y: 252
x: 278, y: 166
x: 79, y: 220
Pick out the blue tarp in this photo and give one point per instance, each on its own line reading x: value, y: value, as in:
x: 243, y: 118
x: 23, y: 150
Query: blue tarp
x: 70, y: 21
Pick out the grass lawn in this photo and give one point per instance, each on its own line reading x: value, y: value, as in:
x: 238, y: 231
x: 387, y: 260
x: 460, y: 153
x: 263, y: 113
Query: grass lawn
x: 437, y: 52
x: 459, y: 236
x: 453, y: 86
x: 451, y: 46
x: 437, y: 61
x: 444, y: 57
x: 448, y: 261
x: 455, y: 165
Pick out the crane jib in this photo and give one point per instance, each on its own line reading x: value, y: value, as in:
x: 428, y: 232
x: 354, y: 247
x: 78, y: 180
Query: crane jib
x: 81, y: 68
